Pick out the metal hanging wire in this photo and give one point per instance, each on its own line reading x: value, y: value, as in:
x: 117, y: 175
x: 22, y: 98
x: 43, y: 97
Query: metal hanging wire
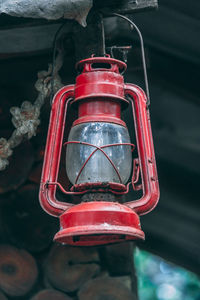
x: 103, y: 35
x: 143, y: 54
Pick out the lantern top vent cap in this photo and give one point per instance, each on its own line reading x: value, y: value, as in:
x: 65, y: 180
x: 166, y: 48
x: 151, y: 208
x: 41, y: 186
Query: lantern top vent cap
x: 106, y: 63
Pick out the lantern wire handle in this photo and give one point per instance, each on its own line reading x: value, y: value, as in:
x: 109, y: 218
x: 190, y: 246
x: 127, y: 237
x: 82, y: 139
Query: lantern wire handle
x: 143, y: 54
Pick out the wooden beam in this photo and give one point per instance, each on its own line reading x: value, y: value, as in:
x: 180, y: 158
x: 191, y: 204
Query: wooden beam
x: 125, y: 6
x: 108, y: 6
x: 88, y: 40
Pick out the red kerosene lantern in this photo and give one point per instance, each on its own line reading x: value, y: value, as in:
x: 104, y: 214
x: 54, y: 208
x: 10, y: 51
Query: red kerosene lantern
x: 99, y: 157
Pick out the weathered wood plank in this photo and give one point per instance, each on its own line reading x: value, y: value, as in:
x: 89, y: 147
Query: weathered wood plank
x: 13, y: 32
x: 120, y: 6
x: 119, y: 259
x: 125, y: 6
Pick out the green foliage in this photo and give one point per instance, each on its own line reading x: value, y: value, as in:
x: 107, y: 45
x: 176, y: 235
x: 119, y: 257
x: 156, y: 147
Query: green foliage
x: 160, y: 280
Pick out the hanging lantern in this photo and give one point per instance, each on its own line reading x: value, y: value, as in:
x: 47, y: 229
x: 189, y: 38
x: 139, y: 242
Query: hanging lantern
x: 100, y: 162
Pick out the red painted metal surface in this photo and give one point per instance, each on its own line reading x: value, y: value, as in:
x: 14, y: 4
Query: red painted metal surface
x: 94, y: 223
x: 99, y: 93
x: 146, y: 153
x: 96, y: 81
x: 51, y: 162
x: 99, y: 110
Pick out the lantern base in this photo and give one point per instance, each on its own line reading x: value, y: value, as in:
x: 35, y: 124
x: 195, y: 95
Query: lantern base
x: 98, y: 223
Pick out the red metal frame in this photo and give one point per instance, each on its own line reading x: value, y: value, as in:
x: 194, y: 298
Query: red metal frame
x: 99, y: 110
x: 100, y: 84
x: 146, y: 153
x: 51, y: 162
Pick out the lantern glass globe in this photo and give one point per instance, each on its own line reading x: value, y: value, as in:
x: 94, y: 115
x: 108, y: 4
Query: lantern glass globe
x: 98, y: 167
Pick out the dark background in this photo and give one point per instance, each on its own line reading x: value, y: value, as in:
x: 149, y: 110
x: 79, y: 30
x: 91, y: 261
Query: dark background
x: 172, y: 45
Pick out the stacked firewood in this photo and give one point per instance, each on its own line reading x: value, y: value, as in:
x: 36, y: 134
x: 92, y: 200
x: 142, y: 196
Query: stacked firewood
x: 63, y: 273
x: 32, y: 267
